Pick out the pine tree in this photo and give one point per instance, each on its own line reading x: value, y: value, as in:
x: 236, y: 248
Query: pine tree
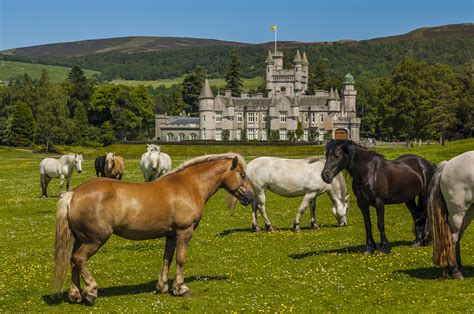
x: 299, y: 130
x: 22, y: 125
x: 320, y: 76
x: 178, y: 103
x: 233, y: 80
x: 192, y: 85
x: 81, y: 125
x: 79, y: 88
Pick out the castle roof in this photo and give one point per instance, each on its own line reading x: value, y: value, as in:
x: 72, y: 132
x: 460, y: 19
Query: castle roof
x: 184, y: 120
x: 332, y: 95
x: 336, y: 96
x: 206, y: 92
x: 269, y: 58
x: 297, y: 58
x: 305, y: 59
x: 349, y: 79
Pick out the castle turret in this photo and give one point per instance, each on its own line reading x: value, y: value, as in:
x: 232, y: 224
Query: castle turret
x: 349, y: 93
x: 278, y: 59
x: 305, y: 76
x: 298, y: 66
x: 270, y: 64
x: 206, y: 112
x: 295, y: 109
x: 332, y: 102
x: 230, y: 109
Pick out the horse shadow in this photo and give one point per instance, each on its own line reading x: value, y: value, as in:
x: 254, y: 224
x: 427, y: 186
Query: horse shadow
x: 346, y: 250
x: 129, y: 289
x: 238, y: 230
x: 432, y: 272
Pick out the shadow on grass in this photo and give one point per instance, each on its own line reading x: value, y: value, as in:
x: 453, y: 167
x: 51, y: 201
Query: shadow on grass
x: 346, y: 250
x: 238, y: 230
x: 431, y: 273
x: 129, y: 289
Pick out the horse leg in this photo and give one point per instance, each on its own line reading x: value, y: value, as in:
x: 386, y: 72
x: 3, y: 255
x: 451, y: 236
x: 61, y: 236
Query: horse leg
x: 67, y: 183
x: 182, y: 240
x: 338, y: 208
x: 312, y: 208
x: 162, y: 284
x: 306, y: 199
x: 369, y: 243
x: 61, y: 183
x: 261, y: 206
x: 79, y: 260
x: 415, y: 214
x: 457, y: 271
x: 380, y: 209
x: 74, y: 294
x: 423, y: 220
x: 255, y: 227
x: 43, y: 185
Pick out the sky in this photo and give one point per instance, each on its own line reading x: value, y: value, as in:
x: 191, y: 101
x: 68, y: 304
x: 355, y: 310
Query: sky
x: 34, y: 22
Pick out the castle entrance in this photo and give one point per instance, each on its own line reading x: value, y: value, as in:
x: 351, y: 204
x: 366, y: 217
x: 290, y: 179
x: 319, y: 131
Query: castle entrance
x: 341, y: 134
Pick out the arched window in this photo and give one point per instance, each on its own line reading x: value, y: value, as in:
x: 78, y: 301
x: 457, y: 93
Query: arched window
x: 181, y: 137
x: 169, y: 137
x: 193, y: 136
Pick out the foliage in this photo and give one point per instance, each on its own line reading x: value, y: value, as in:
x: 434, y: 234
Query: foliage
x: 192, y: 86
x: 313, y: 135
x: 290, y: 135
x: 232, y: 77
x: 274, y: 135
x: 81, y: 125
x: 225, y: 135
x: 299, y: 130
x: 22, y: 128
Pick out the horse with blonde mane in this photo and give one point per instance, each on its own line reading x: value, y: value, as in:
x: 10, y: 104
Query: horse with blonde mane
x: 170, y: 207
x: 450, y: 211
x: 114, y: 166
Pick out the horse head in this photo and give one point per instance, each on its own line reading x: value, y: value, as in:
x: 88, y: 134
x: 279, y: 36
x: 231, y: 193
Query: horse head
x: 109, y: 161
x: 154, y: 159
x: 237, y: 183
x: 78, y: 162
x: 338, y: 157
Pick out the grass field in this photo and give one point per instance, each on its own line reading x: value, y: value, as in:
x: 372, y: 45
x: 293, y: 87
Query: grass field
x: 228, y: 267
x: 9, y: 69
x: 252, y: 83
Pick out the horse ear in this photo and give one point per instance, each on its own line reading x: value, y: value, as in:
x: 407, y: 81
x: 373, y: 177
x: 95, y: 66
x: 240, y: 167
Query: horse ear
x: 235, y: 161
x: 75, y: 155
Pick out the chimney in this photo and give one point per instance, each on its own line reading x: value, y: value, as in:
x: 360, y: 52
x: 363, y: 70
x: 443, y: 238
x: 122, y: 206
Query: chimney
x: 228, y: 93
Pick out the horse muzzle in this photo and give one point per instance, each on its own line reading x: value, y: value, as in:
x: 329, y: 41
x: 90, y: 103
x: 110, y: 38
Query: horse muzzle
x: 79, y: 171
x: 154, y: 168
x: 246, y: 197
x: 326, y: 176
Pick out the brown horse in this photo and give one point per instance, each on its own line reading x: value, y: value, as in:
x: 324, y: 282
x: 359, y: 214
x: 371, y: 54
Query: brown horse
x: 114, y: 166
x: 170, y: 207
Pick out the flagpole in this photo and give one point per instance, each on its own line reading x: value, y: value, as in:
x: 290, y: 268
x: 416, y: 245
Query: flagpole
x: 276, y: 30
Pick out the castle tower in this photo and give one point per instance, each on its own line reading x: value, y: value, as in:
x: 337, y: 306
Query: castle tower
x: 298, y: 66
x: 278, y: 59
x: 332, y: 102
x: 270, y: 64
x: 305, y: 69
x: 206, y: 112
x: 349, y: 93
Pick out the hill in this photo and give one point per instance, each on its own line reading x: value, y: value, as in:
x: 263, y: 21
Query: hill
x: 9, y: 69
x: 152, y: 58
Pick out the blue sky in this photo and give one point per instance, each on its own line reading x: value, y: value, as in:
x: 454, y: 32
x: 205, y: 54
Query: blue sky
x: 34, y: 22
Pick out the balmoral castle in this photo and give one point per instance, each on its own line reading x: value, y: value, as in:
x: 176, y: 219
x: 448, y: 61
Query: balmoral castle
x: 324, y: 115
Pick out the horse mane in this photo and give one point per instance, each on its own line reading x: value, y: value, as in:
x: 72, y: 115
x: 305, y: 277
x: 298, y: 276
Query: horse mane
x: 332, y: 144
x: 312, y: 159
x: 207, y: 158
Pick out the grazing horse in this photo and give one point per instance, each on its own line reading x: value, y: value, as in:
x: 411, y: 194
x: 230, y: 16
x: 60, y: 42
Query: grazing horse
x: 170, y: 207
x: 114, y: 166
x: 100, y: 166
x: 61, y: 168
x: 450, y: 211
x: 292, y: 178
x: 377, y: 181
x: 154, y: 164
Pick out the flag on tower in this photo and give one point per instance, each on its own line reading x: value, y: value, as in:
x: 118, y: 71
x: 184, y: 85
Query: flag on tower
x: 273, y: 27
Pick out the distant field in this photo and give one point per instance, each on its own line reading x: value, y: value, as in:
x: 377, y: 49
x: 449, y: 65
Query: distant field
x: 9, y: 69
x: 251, y: 83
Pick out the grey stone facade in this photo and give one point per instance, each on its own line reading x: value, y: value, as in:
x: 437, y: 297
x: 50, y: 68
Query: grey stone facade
x: 327, y: 114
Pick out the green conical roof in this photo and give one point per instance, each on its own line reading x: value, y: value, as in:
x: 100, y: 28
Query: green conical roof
x: 206, y: 91
x: 349, y: 79
x: 297, y: 58
x: 269, y: 58
x: 305, y: 60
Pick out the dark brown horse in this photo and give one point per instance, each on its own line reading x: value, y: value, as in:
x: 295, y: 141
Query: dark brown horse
x: 377, y: 181
x: 170, y: 207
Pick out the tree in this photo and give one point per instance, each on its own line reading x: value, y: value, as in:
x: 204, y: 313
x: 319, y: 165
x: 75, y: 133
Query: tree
x: 22, y: 129
x: 79, y: 88
x: 299, y: 130
x: 232, y: 78
x: 225, y: 135
x: 53, y: 123
x: 81, y: 132
x: 107, y: 133
x: 178, y: 105
x: 317, y: 78
x: 192, y: 86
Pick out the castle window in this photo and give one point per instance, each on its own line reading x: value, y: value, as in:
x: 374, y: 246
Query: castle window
x: 218, y: 134
x: 181, y: 137
x: 219, y: 116
x: 193, y: 136
x: 305, y: 135
x: 283, y: 116
x: 203, y: 118
x: 322, y: 118
x: 264, y: 116
x: 282, y: 134
x: 170, y: 137
x: 252, y: 117
x: 250, y: 134
x: 313, y: 118
x: 239, y: 117
x: 306, y: 117
x: 239, y: 134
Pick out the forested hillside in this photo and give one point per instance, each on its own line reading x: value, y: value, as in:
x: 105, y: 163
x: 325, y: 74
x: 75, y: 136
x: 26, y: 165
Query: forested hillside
x: 451, y: 44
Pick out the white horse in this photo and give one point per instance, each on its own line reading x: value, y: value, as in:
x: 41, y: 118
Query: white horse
x: 292, y: 178
x: 450, y: 211
x: 152, y: 147
x: 61, y: 168
x: 154, y: 164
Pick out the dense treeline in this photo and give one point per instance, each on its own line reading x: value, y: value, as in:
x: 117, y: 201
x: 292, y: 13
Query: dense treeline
x: 369, y: 58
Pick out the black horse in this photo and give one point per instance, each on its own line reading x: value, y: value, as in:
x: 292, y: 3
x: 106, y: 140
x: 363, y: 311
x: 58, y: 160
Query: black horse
x: 100, y: 166
x: 377, y: 181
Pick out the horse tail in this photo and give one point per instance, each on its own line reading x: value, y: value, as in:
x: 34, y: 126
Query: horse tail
x: 343, y: 186
x: 443, y: 253
x: 63, y: 243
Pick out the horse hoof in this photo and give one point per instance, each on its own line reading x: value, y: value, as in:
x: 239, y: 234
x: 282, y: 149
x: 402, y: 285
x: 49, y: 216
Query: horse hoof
x: 415, y: 244
x: 296, y: 227
x: 256, y: 229
x: 162, y: 287
x: 385, y: 250
x: 182, y: 291
x: 314, y: 226
x: 368, y: 251
x: 269, y: 228
x: 89, y: 300
x: 44, y: 196
x: 457, y: 275
x: 74, y: 297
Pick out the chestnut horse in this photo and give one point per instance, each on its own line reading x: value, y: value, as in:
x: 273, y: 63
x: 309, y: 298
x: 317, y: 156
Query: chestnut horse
x: 114, y: 166
x: 377, y: 181
x: 170, y: 207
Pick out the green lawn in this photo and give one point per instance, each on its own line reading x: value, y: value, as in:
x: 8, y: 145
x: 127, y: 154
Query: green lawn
x: 9, y: 69
x: 252, y: 83
x: 229, y: 268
